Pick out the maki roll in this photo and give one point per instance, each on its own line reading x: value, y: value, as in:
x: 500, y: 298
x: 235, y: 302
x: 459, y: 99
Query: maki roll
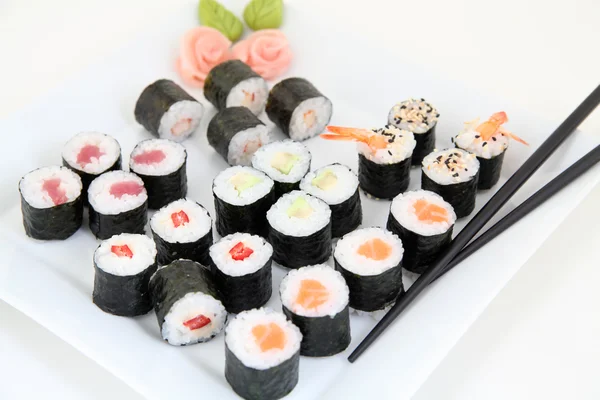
x: 370, y: 260
x: 167, y: 111
x: 242, y: 271
x: 90, y: 154
x: 161, y: 164
x: 337, y: 186
x: 234, y: 84
x: 51, y: 203
x: 235, y: 133
x: 262, y: 355
x: 182, y: 229
x: 123, y: 266
x: 300, y: 230
x: 315, y: 299
x: 419, y: 117
x: 452, y: 174
x: 118, y: 204
x: 297, y: 108
x: 243, y: 196
x: 384, y: 158
x: 185, y: 303
x: 286, y: 162
x: 424, y: 223
x: 488, y: 141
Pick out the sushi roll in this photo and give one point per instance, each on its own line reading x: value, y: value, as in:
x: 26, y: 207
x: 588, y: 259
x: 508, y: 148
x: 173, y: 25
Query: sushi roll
x: 90, y: 154
x: 419, y: 117
x: 235, y: 133
x: 182, y: 229
x: 242, y: 196
x: 262, y: 355
x: 123, y: 266
x: 242, y: 271
x: 118, y: 204
x: 286, y: 162
x: 297, y: 108
x: 167, y: 111
x: 370, y: 260
x: 186, y: 304
x: 488, y: 141
x: 300, y: 230
x: 161, y: 164
x: 315, y: 299
x: 424, y: 223
x: 234, y: 84
x: 384, y: 158
x: 337, y: 186
x: 51, y: 203
x: 452, y: 174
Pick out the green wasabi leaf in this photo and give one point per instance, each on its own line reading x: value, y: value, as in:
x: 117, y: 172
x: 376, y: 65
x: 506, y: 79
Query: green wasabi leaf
x: 264, y: 14
x: 300, y: 208
x: 284, y: 162
x: 243, y: 181
x: 213, y: 14
x: 326, y: 180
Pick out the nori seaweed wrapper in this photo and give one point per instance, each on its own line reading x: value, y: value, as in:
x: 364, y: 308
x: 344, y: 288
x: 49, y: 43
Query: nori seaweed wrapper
x: 346, y: 216
x: 489, y: 171
x: 126, y: 296
x: 241, y: 293
x: 132, y: 221
x: 322, y: 336
x: 285, y: 97
x: 226, y: 124
x: 164, y: 189
x: 383, y: 181
x: 268, y: 384
x: 174, y: 281
x: 87, y: 178
x: 419, y: 251
x: 53, y: 223
x: 373, y: 292
x: 155, y: 100
x: 282, y: 188
x: 251, y: 218
x: 224, y: 77
x: 425, y: 145
x: 460, y: 195
x: 300, y: 251
x: 168, y: 252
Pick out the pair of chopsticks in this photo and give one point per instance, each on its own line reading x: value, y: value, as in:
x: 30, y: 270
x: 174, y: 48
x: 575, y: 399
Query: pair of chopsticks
x: 455, y: 253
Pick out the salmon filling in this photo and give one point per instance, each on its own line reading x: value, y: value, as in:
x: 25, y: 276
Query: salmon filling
x: 248, y: 98
x: 57, y: 194
x: 310, y: 118
x: 182, y: 126
x: 150, y: 157
x: 375, y: 249
x: 197, y: 322
x: 179, y: 218
x: 87, y: 153
x: 430, y: 213
x: 122, y: 251
x: 269, y: 336
x: 240, y: 252
x: 312, y: 294
x: 120, y: 189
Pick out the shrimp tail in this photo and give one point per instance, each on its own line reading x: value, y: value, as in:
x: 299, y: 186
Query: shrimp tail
x: 341, y: 133
x: 513, y: 136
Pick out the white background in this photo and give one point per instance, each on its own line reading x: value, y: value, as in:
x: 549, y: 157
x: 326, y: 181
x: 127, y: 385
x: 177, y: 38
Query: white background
x: 540, y: 336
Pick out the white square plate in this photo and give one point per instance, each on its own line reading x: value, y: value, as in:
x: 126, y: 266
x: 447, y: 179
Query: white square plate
x: 52, y: 281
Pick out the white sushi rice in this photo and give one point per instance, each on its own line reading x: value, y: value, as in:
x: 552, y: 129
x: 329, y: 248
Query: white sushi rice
x: 399, y: 149
x: 109, y: 148
x: 219, y: 252
x: 240, y: 95
x: 244, y: 144
x: 175, y: 155
x: 241, y: 342
x: 403, y: 210
x: 224, y: 189
x: 190, y: 306
x: 443, y: 173
x: 31, y: 185
x: 298, y: 227
x: 198, y: 226
x: 322, y: 109
x: 470, y: 140
x: 263, y: 159
x: 105, y: 203
x: 142, y: 247
x: 344, y: 188
x: 346, y: 251
x: 182, y: 110
x: 331, y: 279
x: 415, y: 115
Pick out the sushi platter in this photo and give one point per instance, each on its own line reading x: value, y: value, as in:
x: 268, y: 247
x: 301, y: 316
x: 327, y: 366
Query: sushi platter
x: 202, y: 207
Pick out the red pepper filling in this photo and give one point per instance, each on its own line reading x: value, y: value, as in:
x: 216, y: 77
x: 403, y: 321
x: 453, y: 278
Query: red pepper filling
x: 240, y: 252
x: 120, y: 189
x: 179, y: 218
x: 150, y: 157
x: 122, y: 251
x: 86, y: 154
x: 52, y: 187
x: 197, y: 322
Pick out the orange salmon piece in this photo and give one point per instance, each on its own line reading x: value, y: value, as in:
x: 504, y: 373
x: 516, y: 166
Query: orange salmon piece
x: 269, y: 336
x: 375, y: 249
x: 312, y: 294
x: 430, y: 213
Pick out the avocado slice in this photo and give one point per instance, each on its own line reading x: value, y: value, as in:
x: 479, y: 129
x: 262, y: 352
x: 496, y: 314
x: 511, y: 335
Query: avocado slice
x: 284, y: 162
x: 244, y: 181
x: 326, y: 180
x: 300, y: 208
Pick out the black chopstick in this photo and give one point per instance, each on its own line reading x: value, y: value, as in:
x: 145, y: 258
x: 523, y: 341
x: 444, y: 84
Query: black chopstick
x: 528, y: 168
x: 538, y: 198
